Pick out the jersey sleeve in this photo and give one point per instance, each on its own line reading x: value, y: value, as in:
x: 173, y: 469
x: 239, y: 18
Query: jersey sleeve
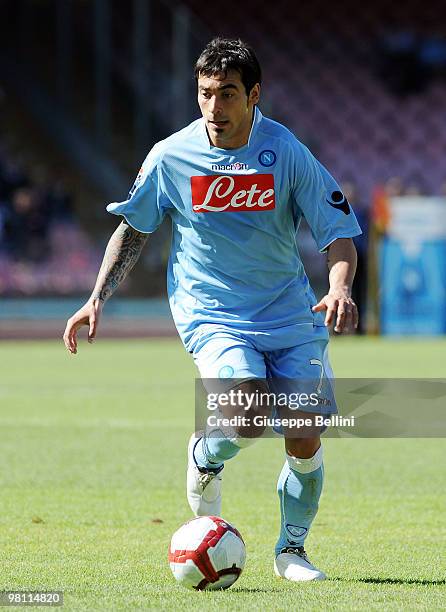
x: 146, y: 205
x: 319, y: 198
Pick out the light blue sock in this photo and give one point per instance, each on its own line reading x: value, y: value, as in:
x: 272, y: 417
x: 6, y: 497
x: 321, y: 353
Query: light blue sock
x: 211, y: 452
x: 299, y: 488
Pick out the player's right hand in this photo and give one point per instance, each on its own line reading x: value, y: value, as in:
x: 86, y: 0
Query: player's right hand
x: 89, y: 315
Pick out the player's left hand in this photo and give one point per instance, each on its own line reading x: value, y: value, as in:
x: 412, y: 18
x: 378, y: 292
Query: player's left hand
x: 339, y: 305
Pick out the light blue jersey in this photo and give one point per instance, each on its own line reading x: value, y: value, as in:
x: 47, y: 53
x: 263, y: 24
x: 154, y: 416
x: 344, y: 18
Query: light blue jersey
x: 234, y: 261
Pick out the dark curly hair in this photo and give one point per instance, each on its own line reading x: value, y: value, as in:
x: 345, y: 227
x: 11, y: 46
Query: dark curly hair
x: 223, y: 54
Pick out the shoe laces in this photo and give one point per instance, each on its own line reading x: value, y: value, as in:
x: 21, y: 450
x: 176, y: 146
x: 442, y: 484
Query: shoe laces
x: 299, y: 551
x: 206, y: 477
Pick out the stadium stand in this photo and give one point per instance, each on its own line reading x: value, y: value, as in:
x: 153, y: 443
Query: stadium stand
x: 363, y: 86
x: 343, y: 100
x: 40, y: 240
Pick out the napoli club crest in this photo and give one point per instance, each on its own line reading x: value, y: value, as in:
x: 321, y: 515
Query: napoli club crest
x: 267, y: 158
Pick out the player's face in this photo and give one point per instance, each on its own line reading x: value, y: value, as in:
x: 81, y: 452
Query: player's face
x: 227, y: 109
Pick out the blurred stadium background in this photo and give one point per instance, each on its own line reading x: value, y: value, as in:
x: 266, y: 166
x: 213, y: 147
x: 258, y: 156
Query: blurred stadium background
x: 89, y: 479
x: 88, y: 86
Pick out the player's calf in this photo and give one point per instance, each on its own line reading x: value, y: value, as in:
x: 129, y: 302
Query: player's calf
x: 299, y: 488
x: 208, y: 451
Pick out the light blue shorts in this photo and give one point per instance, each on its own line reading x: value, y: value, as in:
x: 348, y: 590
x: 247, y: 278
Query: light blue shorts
x: 228, y: 354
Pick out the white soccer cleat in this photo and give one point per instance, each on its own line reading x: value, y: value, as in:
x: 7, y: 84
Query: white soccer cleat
x: 203, y: 486
x: 293, y: 564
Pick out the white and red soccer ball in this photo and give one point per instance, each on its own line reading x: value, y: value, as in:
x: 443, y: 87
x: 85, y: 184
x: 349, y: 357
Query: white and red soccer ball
x: 207, y: 553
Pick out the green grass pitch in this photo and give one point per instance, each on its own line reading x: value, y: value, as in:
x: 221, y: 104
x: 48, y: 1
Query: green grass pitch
x: 92, y: 482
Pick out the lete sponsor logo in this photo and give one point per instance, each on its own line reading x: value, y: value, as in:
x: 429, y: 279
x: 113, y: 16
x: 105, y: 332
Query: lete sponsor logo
x: 218, y: 193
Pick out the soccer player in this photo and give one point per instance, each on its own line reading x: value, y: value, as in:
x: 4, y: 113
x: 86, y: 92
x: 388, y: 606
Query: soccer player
x: 235, y: 186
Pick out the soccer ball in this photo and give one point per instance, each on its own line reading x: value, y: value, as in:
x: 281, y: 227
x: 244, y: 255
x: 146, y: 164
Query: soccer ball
x: 207, y: 553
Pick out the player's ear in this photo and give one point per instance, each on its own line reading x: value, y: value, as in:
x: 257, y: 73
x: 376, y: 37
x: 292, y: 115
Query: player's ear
x: 254, y: 94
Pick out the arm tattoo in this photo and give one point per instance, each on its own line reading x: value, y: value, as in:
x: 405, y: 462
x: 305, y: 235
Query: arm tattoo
x: 121, y: 254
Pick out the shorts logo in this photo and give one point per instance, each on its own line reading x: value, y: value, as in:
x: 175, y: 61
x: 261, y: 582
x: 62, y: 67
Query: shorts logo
x: 242, y: 192
x: 226, y: 372
x: 228, y: 167
x: 267, y: 158
x: 340, y: 202
x: 295, y: 530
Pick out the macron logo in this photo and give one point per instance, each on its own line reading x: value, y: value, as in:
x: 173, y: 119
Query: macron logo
x: 340, y: 202
x: 229, y: 167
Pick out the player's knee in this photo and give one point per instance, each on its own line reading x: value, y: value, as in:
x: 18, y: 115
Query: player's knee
x: 302, y: 447
x: 251, y: 411
x: 249, y: 428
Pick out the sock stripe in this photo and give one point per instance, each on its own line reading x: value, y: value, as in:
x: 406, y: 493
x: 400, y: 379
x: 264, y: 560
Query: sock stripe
x: 305, y: 466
